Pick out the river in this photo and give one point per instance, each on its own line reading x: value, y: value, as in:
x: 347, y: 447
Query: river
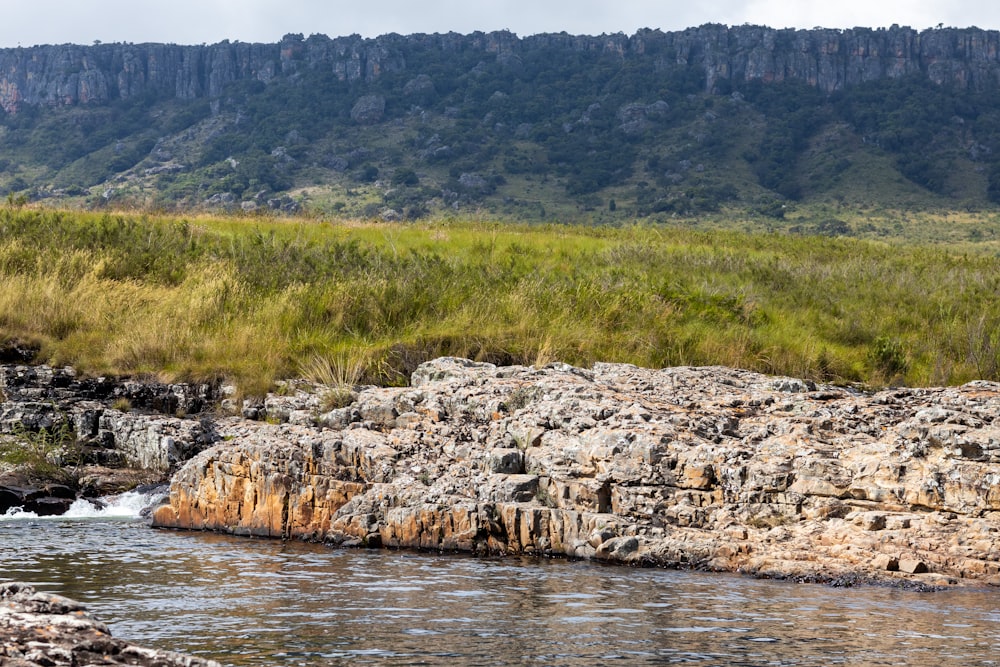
x: 266, y: 602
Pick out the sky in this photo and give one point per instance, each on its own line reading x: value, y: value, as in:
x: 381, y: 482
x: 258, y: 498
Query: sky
x: 27, y: 23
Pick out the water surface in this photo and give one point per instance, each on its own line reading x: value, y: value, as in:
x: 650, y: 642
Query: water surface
x: 262, y: 602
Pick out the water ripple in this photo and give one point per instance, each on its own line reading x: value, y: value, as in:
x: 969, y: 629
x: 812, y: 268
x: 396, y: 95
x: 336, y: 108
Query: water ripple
x: 260, y: 602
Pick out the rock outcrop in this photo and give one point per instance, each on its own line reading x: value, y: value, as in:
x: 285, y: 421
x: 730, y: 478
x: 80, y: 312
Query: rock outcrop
x: 708, y: 468
x: 45, y: 630
x: 829, y: 59
x: 93, y: 436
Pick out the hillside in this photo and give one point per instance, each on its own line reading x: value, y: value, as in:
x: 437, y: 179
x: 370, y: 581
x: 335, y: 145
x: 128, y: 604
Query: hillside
x: 605, y: 129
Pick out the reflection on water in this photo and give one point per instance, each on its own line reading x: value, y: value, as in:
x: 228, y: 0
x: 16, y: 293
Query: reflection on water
x: 261, y: 602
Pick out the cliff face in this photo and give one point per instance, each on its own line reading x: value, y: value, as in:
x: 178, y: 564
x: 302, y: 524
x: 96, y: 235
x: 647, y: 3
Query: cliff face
x: 101, y: 449
x: 712, y: 468
x: 834, y: 59
x: 69, y: 74
x: 828, y: 59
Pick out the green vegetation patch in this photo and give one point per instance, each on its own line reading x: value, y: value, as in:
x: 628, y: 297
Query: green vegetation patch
x: 258, y: 300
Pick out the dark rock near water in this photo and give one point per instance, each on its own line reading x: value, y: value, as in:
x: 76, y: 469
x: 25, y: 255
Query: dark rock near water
x: 46, y: 630
x: 44, y: 499
x: 45, y: 384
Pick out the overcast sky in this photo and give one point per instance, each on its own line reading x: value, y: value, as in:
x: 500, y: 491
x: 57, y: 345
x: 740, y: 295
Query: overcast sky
x: 29, y: 22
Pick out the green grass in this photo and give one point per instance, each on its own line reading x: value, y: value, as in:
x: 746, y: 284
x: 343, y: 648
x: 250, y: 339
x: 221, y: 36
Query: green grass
x: 45, y: 454
x: 257, y: 299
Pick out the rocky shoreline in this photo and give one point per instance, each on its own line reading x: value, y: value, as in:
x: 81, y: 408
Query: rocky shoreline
x: 46, y: 630
x: 708, y: 468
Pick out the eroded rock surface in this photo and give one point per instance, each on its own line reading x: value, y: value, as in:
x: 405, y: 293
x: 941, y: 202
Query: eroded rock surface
x: 45, y: 630
x: 710, y: 468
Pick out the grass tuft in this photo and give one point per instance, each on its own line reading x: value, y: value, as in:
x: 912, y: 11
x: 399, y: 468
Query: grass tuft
x: 43, y: 454
x: 338, y: 376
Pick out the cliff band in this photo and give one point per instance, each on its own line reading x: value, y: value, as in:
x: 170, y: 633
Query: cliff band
x: 828, y: 59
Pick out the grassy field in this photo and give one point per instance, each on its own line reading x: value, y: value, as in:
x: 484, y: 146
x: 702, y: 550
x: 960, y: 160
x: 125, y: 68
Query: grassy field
x: 256, y: 299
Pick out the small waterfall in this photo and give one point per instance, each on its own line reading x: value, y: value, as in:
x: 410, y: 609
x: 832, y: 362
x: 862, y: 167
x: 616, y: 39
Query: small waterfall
x: 128, y: 505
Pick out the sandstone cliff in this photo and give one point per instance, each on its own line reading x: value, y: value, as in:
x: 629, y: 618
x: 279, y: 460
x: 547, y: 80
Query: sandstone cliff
x: 695, y: 467
x: 828, y: 59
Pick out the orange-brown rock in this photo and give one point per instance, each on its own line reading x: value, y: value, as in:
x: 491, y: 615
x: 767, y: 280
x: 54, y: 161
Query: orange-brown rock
x: 698, y: 467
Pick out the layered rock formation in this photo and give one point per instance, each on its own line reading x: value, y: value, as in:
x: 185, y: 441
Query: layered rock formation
x: 710, y: 468
x: 45, y: 630
x: 828, y: 59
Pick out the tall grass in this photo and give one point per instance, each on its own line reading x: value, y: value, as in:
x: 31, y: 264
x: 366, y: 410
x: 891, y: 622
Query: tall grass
x: 258, y: 300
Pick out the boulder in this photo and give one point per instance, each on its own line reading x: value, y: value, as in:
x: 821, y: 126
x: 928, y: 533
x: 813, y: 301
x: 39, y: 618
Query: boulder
x: 421, y: 86
x: 368, y: 110
x: 912, y: 566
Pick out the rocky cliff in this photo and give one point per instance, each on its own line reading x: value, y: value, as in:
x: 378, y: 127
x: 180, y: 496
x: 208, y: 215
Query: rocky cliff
x: 828, y: 59
x: 709, y: 468
x: 45, y: 630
